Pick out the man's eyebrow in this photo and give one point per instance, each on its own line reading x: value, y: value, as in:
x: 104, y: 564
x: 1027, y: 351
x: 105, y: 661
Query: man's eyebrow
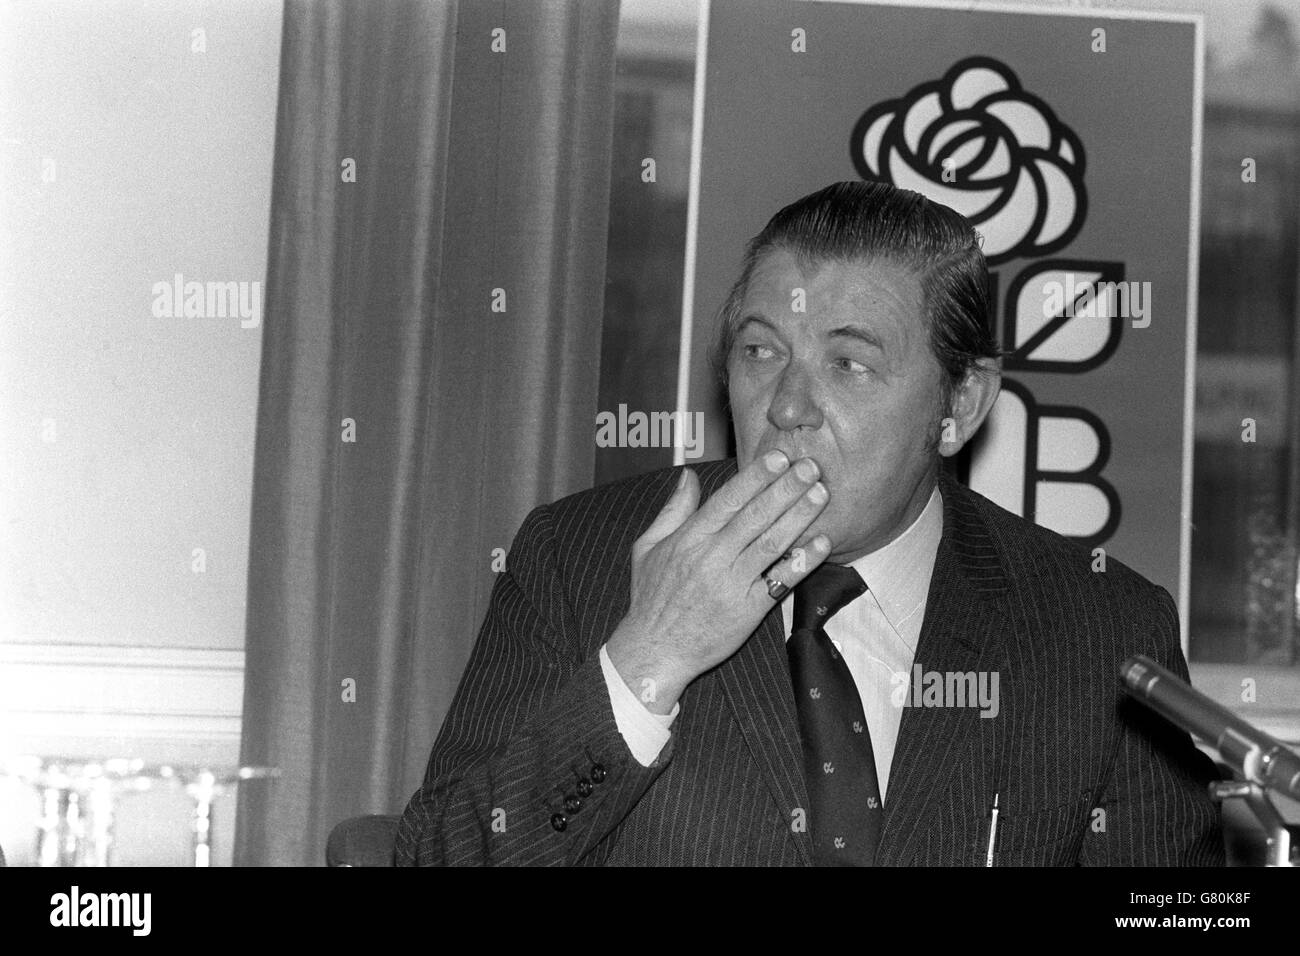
x: 847, y: 331
x: 859, y: 333
x: 756, y: 319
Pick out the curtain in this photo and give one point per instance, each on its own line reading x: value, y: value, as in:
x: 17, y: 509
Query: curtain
x: 429, y: 373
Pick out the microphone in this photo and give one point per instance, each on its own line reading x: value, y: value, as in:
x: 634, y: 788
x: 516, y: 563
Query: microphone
x: 1258, y: 757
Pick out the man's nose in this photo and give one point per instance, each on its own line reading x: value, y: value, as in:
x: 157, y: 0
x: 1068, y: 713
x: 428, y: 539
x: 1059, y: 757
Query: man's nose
x: 795, y: 403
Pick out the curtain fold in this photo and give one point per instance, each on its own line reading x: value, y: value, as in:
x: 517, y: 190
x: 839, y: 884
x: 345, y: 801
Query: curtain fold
x: 429, y: 373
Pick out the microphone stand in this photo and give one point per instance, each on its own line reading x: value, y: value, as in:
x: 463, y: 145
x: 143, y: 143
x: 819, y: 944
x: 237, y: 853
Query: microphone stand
x: 1264, y: 763
x: 1280, y: 851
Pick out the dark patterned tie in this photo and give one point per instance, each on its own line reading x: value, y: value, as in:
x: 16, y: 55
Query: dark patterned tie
x: 838, y: 762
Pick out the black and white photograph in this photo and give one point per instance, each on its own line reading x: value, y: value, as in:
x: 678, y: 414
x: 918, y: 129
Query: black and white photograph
x: 651, y: 433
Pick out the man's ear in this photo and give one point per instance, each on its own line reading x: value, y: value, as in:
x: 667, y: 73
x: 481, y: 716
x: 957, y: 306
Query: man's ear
x: 971, y: 403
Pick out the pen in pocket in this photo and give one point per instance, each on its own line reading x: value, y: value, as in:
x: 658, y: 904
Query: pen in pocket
x: 993, y: 830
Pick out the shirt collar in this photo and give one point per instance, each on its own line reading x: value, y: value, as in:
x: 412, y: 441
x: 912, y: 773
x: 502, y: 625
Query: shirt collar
x: 899, y: 573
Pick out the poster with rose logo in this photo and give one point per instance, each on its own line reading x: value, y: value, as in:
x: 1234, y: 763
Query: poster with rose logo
x: 1070, y: 139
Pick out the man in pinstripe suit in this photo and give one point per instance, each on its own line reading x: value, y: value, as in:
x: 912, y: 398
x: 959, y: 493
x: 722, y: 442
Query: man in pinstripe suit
x: 629, y: 699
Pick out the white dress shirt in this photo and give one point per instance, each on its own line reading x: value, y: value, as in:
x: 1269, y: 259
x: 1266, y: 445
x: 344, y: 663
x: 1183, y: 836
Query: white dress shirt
x: 877, y: 635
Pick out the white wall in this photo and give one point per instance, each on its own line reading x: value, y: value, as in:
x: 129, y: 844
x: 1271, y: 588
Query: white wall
x: 127, y: 156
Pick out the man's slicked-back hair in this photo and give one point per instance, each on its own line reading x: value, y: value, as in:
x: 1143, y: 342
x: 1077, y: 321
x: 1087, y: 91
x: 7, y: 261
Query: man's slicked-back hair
x: 865, y: 221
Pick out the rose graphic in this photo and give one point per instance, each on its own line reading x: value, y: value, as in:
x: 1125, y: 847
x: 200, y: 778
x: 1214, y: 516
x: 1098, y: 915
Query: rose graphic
x: 976, y: 141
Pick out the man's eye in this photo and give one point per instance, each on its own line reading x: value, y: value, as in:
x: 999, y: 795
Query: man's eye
x: 757, y: 351
x: 850, y: 365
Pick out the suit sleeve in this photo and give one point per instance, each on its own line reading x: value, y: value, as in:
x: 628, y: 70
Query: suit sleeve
x: 531, y: 718
x: 1157, y: 806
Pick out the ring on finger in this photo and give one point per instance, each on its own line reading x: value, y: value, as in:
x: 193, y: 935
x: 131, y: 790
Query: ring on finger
x: 776, y: 588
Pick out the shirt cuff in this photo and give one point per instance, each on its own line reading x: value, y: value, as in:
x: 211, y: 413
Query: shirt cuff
x: 644, y: 733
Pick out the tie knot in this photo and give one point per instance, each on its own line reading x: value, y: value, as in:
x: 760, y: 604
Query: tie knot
x: 823, y: 593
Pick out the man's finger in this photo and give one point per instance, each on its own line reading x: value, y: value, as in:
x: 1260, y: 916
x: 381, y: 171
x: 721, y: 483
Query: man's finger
x: 681, y: 504
x: 766, y: 508
x: 782, y: 577
x: 723, y: 505
x: 771, y: 544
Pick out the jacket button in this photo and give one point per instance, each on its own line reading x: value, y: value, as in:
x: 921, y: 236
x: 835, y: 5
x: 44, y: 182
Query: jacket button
x: 597, y: 773
x: 572, y: 804
x: 559, y: 821
x: 584, y: 787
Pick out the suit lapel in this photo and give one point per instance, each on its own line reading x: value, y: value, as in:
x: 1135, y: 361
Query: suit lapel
x: 756, y: 683
x: 756, y: 680
x: 962, y: 631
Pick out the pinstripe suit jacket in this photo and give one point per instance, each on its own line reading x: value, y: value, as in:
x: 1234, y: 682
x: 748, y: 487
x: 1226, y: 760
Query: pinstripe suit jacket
x: 1084, y: 776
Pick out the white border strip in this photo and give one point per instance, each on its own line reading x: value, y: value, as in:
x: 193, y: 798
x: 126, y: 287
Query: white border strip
x: 100, y: 656
x: 978, y: 6
x: 692, y: 233
x: 1189, y: 381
